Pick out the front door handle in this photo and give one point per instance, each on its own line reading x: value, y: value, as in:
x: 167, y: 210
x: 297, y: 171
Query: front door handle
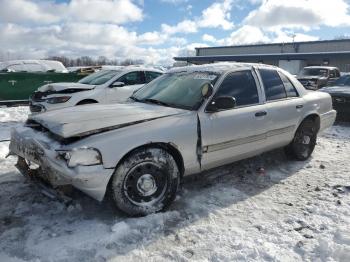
x: 261, y: 113
x: 299, y: 106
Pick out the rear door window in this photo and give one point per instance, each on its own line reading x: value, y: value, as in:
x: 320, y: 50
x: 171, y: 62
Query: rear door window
x: 150, y: 75
x: 132, y: 78
x: 274, y: 88
x: 290, y: 89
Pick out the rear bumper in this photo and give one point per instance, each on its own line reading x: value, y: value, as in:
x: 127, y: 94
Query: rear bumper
x: 92, y: 180
x: 327, y: 119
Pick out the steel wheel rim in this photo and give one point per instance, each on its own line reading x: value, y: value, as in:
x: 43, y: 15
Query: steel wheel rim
x: 145, y: 184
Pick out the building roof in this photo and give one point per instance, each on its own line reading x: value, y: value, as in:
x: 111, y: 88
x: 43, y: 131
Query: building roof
x: 284, y: 56
x: 279, y: 44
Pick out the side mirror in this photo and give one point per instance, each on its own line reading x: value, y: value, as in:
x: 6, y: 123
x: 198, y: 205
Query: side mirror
x: 221, y: 103
x: 117, y: 84
x: 207, y: 90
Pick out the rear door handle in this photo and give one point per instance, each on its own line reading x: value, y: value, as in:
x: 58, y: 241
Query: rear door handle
x: 299, y: 106
x: 261, y: 113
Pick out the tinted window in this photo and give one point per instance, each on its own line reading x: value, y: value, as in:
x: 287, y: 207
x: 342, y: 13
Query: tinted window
x: 334, y: 73
x: 99, y: 77
x: 132, y: 78
x: 337, y: 73
x: 241, y: 86
x: 273, y: 85
x: 290, y: 89
x: 314, y: 72
x: 151, y: 75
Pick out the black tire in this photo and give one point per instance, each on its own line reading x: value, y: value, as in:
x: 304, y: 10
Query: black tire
x: 145, y: 182
x: 304, y: 141
x: 86, y: 102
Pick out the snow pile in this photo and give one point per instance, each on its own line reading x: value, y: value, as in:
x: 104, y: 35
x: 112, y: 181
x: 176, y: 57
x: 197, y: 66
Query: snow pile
x: 11, y: 117
x: 265, y: 208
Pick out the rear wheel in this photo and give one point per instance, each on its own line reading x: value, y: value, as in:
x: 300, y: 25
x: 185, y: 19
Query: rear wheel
x: 304, y: 141
x: 145, y: 182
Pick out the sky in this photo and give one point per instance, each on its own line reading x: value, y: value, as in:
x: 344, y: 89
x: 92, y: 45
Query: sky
x: 157, y: 30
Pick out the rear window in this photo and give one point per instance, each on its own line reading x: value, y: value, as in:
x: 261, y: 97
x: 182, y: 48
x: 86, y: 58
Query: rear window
x: 274, y: 88
x: 290, y: 89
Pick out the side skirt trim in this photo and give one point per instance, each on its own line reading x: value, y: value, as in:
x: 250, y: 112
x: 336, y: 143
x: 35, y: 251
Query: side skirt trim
x: 247, y: 140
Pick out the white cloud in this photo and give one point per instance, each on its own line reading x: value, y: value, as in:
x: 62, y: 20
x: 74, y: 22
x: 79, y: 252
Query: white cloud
x: 79, y: 39
x: 246, y: 35
x: 285, y: 37
x: 115, y: 11
x: 209, y: 38
x: 305, y: 14
x: 27, y: 11
x: 46, y: 12
x: 217, y: 15
x: 152, y: 38
x: 186, y: 26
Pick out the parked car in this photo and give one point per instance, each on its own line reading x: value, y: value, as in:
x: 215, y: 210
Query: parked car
x: 105, y: 86
x: 84, y: 70
x: 340, y: 93
x: 188, y: 120
x: 316, y: 77
x: 20, y: 78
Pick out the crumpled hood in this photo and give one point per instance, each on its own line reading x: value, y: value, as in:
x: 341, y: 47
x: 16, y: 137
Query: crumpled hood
x: 89, y: 119
x: 336, y: 89
x: 63, y: 86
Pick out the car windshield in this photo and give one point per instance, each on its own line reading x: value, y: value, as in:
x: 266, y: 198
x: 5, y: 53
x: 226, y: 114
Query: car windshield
x: 179, y: 89
x: 314, y: 72
x: 343, y: 81
x: 99, y: 77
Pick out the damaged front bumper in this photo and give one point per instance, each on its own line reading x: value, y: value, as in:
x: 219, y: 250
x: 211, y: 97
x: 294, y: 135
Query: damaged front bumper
x: 31, y: 148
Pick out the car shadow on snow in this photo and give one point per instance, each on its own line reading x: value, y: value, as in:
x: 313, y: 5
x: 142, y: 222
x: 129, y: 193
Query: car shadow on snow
x: 248, y: 177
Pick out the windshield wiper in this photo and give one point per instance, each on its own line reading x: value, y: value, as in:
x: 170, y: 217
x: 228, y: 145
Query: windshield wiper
x: 135, y: 99
x: 157, y: 102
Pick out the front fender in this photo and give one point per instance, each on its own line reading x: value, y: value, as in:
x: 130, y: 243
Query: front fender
x: 180, y: 131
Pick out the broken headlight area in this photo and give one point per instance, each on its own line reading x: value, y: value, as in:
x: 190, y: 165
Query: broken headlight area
x: 81, y: 157
x: 58, y: 99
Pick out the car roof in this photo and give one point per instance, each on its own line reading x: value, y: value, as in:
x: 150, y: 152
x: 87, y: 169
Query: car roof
x: 131, y: 68
x: 47, y: 64
x: 220, y: 68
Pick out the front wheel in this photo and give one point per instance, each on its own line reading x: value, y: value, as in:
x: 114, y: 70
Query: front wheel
x: 304, y: 141
x: 145, y: 182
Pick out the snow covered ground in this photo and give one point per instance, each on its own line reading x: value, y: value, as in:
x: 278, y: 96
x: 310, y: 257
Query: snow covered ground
x: 266, y: 208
